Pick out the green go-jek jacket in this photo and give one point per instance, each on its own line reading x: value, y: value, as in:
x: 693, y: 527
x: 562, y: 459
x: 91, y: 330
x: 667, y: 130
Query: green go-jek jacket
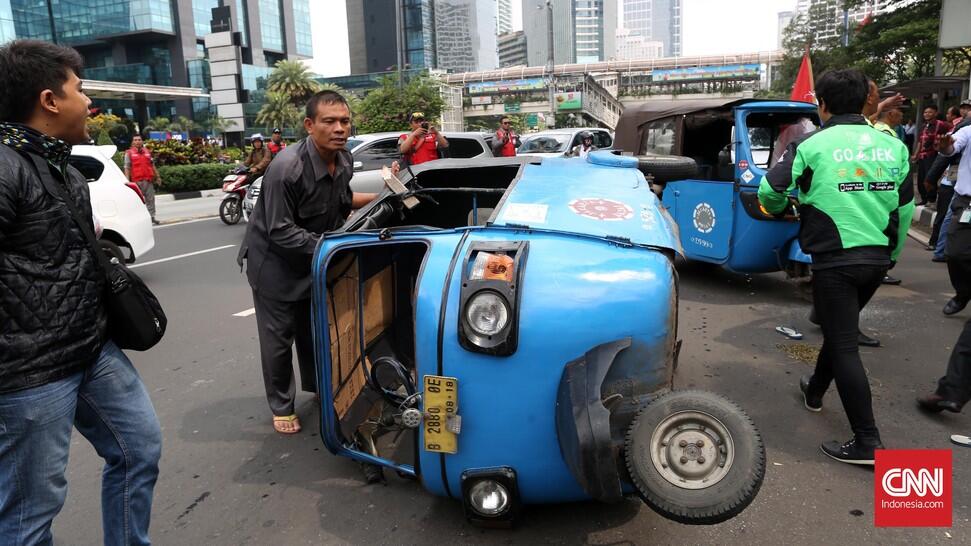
x: 854, y: 191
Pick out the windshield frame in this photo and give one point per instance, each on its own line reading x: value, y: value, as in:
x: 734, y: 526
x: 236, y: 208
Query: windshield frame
x: 564, y: 145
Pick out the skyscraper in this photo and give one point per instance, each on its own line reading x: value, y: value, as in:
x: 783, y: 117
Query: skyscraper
x: 160, y: 42
x: 655, y: 21
x: 831, y: 14
x: 504, y: 16
x: 583, y: 31
x: 465, y: 39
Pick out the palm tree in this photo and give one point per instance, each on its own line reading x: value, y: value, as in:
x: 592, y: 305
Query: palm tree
x: 278, y: 111
x: 214, y: 123
x: 158, y: 123
x: 293, y: 80
x: 182, y: 124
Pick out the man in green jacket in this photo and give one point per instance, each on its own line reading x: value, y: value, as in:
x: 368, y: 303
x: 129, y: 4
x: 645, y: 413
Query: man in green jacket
x: 855, y: 208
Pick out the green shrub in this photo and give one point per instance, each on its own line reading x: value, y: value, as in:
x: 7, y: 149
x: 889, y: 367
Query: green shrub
x: 204, y: 176
x: 119, y: 159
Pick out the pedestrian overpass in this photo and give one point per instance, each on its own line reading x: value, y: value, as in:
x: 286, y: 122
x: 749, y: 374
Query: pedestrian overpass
x: 599, y: 91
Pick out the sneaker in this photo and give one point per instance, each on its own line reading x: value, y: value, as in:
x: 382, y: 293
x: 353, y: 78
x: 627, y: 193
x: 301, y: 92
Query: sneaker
x: 938, y: 259
x: 890, y: 280
x: 866, y: 341
x: 813, y: 403
x: 851, y: 452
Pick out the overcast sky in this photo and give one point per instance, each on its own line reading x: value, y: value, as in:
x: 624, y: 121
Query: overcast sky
x: 710, y: 27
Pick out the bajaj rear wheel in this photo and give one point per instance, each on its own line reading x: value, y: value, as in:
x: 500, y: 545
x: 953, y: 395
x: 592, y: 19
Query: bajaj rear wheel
x: 695, y: 457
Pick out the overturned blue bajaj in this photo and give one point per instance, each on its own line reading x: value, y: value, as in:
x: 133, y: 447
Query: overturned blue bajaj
x: 505, y: 331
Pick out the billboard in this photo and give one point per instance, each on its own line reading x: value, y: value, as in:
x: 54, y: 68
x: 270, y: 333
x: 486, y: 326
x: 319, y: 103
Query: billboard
x: 707, y: 72
x: 506, y: 86
x: 477, y: 101
x: 569, y: 101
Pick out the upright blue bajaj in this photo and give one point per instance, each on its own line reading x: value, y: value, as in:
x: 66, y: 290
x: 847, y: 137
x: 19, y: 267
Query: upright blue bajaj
x: 731, y: 143
x: 505, y: 330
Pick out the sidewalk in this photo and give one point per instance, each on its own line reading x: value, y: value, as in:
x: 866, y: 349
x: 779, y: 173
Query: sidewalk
x: 187, y: 195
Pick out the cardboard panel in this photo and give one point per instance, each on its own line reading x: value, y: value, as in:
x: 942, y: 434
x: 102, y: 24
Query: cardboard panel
x: 379, y: 304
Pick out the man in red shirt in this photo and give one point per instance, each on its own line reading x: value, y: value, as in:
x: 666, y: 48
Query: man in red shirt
x: 276, y: 143
x: 140, y: 169
x: 422, y: 143
x: 926, y: 154
x: 506, y: 139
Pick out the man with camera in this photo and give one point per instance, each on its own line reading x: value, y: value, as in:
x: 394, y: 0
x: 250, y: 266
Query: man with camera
x: 422, y: 143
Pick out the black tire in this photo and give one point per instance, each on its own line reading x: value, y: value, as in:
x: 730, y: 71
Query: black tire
x: 676, y: 423
x: 112, y: 250
x: 666, y: 168
x: 231, y: 210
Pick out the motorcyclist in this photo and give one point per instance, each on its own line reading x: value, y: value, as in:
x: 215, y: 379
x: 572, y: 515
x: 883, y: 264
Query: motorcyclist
x: 259, y: 157
x: 276, y: 143
x: 585, y: 147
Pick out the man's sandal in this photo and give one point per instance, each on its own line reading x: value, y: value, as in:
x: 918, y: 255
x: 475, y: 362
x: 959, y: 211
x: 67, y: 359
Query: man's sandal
x: 961, y: 440
x: 286, y: 424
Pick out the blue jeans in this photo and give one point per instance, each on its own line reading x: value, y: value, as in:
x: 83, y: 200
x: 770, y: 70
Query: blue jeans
x: 942, y: 235
x: 109, y: 406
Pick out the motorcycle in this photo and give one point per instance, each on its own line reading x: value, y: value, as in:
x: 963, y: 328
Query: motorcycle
x: 234, y: 184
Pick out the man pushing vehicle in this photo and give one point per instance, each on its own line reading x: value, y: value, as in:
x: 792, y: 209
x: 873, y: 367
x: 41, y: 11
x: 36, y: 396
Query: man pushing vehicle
x: 856, y: 204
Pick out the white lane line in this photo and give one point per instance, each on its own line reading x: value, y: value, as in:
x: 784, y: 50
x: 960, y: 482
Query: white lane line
x: 184, y: 222
x: 246, y: 313
x: 180, y: 256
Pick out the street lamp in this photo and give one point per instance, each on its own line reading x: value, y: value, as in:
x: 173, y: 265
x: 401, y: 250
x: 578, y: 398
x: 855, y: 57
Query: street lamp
x: 549, y: 60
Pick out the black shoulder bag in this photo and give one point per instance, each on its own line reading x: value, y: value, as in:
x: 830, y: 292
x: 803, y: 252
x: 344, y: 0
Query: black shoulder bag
x: 135, y: 318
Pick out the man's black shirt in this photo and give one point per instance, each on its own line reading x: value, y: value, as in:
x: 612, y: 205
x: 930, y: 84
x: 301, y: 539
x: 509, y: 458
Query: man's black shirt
x: 299, y: 200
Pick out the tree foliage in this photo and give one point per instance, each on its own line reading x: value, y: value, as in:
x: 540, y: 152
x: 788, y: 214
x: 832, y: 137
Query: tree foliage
x: 387, y: 108
x: 102, y: 126
x: 898, y: 45
x: 293, y: 80
x: 279, y: 111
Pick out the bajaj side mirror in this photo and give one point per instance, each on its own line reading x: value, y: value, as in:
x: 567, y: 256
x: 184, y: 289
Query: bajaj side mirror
x: 358, y: 165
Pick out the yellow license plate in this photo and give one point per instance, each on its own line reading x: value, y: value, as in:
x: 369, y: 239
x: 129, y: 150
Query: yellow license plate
x: 441, y: 400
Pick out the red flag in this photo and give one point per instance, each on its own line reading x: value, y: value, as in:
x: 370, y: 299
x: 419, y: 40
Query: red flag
x: 804, y: 90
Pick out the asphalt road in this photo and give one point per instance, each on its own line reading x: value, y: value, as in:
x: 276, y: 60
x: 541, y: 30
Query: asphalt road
x: 227, y: 478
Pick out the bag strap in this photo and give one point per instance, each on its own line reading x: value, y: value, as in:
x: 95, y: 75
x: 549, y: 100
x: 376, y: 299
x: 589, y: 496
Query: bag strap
x: 59, y: 192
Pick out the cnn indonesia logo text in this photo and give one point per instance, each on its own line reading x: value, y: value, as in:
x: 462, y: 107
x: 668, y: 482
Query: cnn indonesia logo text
x: 912, y: 488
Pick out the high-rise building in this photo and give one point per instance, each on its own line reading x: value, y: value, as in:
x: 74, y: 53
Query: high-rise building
x: 631, y: 46
x: 504, y: 16
x: 465, y: 36
x: 583, y: 31
x: 785, y: 17
x: 160, y: 42
x: 832, y: 17
x: 512, y: 49
x: 655, y: 21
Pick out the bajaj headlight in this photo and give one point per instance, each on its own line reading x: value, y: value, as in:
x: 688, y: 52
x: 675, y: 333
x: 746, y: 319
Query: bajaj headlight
x: 487, y: 313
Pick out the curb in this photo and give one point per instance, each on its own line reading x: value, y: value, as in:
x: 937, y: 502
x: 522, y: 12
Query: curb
x: 188, y: 195
x: 924, y: 216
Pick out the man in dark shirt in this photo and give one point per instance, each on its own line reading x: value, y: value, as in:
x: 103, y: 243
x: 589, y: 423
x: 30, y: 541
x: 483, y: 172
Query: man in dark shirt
x: 305, y: 193
x: 926, y: 154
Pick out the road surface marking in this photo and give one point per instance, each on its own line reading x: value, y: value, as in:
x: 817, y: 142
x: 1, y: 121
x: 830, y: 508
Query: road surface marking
x: 180, y: 256
x: 183, y: 222
x: 246, y: 313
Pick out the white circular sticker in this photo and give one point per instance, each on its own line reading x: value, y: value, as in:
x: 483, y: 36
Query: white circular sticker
x: 704, y: 218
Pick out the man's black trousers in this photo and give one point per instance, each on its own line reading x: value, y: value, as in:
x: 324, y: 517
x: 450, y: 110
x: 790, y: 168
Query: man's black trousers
x: 956, y: 383
x: 923, y: 166
x: 839, y: 294
x: 281, y: 324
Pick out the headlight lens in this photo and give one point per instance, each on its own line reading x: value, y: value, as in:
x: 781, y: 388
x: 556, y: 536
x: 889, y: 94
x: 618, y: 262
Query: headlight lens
x: 489, y: 498
x: 487, y: 313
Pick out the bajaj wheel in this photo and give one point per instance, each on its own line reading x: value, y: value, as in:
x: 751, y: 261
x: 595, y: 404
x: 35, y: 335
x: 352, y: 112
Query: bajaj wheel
x: 231, y: 210
x: 112, y: 250
x: 695, y: 457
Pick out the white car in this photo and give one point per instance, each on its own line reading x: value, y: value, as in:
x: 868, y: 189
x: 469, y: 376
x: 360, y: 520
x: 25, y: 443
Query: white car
x: 558, y: 142
x: 118, y: 205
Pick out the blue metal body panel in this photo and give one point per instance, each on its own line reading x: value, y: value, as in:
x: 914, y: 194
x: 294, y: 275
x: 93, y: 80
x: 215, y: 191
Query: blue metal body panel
x: 590, y: 197
x: 578, y: 290
x: 714, y: 226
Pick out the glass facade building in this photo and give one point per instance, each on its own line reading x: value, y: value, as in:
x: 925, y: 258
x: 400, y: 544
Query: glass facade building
x: 140, y: 42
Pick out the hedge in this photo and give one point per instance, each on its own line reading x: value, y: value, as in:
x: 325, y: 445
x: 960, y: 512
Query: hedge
x: 204, y: 176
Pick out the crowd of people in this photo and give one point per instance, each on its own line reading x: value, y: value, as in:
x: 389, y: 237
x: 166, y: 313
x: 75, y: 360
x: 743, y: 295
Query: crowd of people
x: 61, y: 370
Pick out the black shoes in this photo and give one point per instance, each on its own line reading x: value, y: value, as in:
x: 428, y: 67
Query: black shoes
x: 866, y: 341
x: 155, y: 222
x: 813, y: 403
x: 935, y: 403
x: 852, y: 452
x: 887, y: 279
x: 939, y: 259
x: 954, y: 306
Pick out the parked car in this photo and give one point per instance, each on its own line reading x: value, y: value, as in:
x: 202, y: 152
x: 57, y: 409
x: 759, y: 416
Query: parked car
x: 559, y: 142
x: 505, y: 330
x: 119, y: 206
x: 375, y: 150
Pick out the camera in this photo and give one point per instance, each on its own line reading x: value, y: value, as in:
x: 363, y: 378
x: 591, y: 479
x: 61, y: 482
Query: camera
x: 424, y: 125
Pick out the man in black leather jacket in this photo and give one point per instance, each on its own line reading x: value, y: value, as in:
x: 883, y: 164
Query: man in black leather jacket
x: 58, y: 369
